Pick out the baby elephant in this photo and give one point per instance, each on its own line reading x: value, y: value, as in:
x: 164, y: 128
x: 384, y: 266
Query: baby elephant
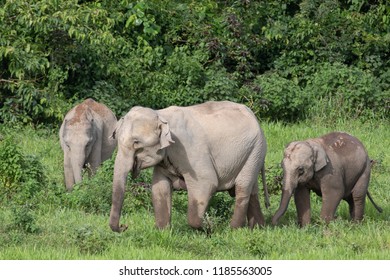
x: 335, y: 166
x: 84, y: 137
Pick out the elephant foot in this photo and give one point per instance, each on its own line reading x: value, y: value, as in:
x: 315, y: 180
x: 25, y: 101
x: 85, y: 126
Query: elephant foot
x: 237, y: 222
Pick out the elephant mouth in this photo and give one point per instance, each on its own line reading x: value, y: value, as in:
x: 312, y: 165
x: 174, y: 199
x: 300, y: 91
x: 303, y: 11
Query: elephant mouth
x: 136, y: 168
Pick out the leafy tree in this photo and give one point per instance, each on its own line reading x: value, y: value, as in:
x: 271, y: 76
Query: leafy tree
x: 159, y: 53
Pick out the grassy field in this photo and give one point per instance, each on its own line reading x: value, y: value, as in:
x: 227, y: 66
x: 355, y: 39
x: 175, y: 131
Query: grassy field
x: 58, y: 225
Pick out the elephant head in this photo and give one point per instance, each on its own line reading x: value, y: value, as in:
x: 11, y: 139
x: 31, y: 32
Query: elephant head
x: 301, y: 161
x: 142, y: 138
x: 78, y: 138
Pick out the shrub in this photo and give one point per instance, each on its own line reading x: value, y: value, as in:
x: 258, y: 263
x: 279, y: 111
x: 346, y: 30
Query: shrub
x: 90, y: 240
x: 24, y: 219
x: 274, y: 97
x: 346, y: 90
x: 21, y: 176
x: 220, y: 85
x: 93, y: 195
x: 11, y: 165
x: 219, y: 212
x: 274, y: 178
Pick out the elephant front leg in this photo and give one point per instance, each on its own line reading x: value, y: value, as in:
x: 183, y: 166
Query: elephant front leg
x: 330, y: 201
x: 302, y: 203
x: 198, y: 201
x: 162, y: 200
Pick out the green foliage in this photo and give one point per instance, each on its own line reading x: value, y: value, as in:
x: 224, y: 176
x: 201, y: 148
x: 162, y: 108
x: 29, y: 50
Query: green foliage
x: 93, y: 195
x: 90, y: 240
x: 221, y: 207
x: 219, y: 213
x: 24, y: 218
x: 277, y: 98
x: 274, y: 178
x: 49, y: 226
x: 353, y: 91
x: 161, y: 53
x: 11, y: 161
x: 22, y: 176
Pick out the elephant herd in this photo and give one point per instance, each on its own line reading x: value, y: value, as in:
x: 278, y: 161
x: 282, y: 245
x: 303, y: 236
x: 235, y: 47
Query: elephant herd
x: 210, y: 147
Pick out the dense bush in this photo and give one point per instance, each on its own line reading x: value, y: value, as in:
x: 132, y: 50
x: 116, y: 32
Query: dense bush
x: 21, y: 176
x: 160, y: 53
x: 350, y: 90
x: 90, y: 240
x: 93, y: 195
x: 278, y: 98
x: 24, y: 219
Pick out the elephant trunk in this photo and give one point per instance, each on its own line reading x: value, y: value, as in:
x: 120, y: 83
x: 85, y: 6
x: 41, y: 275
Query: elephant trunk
x: 68, y: 172
x: 118, y: 190
x: 287, y: 192
x: 78, y: 161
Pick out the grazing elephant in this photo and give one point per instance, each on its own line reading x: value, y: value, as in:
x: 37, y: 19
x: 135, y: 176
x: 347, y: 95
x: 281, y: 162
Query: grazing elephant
x: 85, y: 139
x: 335, y: 166
x: 215, y: 146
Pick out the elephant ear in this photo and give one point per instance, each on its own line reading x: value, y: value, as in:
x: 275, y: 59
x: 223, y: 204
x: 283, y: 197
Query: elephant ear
x: 320, y: 157
x: 165, y: 133
x: 116, y: 129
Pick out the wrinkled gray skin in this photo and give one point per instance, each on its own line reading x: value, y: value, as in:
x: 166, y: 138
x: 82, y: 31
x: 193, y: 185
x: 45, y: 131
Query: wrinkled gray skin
x: 215, y: 146
x: 335, y: 166
x: 84, y: 137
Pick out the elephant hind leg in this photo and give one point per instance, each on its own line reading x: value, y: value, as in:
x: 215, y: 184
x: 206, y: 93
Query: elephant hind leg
x: 359, y: 204
x: 254, y: 214
x: 359, y: 193
x: 247, y: 206
x: 240, y: 211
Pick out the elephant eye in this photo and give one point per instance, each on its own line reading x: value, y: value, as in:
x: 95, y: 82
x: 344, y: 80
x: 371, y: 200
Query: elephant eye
x: 136, y: 143
x: 300, y: 170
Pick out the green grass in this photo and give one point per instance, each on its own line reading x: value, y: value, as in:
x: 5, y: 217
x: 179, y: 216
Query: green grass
x: 66, y: 231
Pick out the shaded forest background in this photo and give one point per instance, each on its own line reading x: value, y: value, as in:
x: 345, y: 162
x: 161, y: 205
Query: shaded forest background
x: 286, y: 59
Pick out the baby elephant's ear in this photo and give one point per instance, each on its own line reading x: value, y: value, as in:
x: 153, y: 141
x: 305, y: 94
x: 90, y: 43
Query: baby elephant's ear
x: 116, y: 129
x: 320, y: 157
x: 165, y: 133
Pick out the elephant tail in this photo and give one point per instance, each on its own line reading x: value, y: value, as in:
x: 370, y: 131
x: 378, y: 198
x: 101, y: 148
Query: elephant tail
x: 266, y: 195
x: 380, y: 210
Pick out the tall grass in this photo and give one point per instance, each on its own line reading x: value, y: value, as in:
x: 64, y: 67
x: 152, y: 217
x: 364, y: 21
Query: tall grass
x: 68, y: 229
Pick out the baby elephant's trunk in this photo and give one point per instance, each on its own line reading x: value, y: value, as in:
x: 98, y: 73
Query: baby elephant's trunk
x: 286, y: 196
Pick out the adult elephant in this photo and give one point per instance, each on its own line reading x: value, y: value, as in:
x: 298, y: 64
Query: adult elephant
x: 85, y: 139
x: 335, y: 166
x: 205, y: 148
